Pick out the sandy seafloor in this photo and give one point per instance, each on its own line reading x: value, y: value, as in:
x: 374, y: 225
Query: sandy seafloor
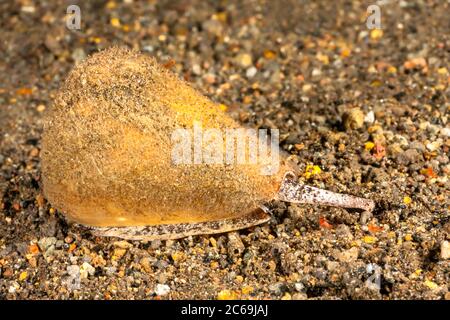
x: 297, y: 66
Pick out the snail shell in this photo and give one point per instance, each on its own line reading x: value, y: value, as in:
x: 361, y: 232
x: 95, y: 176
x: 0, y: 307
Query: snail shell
x: 106, y: 151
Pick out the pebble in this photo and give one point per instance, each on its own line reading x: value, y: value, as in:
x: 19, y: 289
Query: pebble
x: 320, y: 273
x: 276, y: 288
x: 210, y: 78
x: 369, y: 239
x: 286, y: 296
x: 316, y: 72
x: 162, y: 289
x: 306, y: 88
x: 433, y: 129
x: 155, y: 244
x: 73, y: 282
x: 247, y: 290
x: 46, y: 243
x: 148, y: 48
x: 40, y: 108
x: 213, y: 27
x: 235, y: 245
x: 445, y: 132
x: 442, y: 159
x: 332, y: 265
x: 365, y: 217
x: 14, y: 287
x: 73, y: 271
x: 251, y: 72
x: 78, y: 55
x: 118, y: 253
x: 299, y: 296
x: 401, y: 140
x: 343, y: 231
x: 244, y: 60
x: 353, y: 118
x: 59, y: 244
x: 28, y: 9
x: 68, y: 239
x: 299, y: 287
x: 86, y: 270
x: 424, y: 125
x: 227, y: 295
x: 196, y: 69
x: 433, y: 146
x: 350, y: 255
x: 110, y: 271
x: 430, y: 284
x: 417, y: 145
x: 146, y: 264
x: 122, y: 244
x: 8, y: 273
x: 445, y: 250
x: 370, y: 117
x: 409, y: 156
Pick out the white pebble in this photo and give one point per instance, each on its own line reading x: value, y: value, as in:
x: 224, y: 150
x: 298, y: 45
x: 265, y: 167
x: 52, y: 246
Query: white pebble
x: 423, y: 125
x: 73, y: 270
x: 370, y: 117
x: 196, y: 69
x: 433, y: 146
x: 316, y: 72
x: 251, y: 72
x: 148, y: 48
x: 299, y: 287
x: 445, y: 132
x: 363, y: 34
x: 28, y: 9
x: 162, y: 289
x: 86, y: 269
x: 445, y: 250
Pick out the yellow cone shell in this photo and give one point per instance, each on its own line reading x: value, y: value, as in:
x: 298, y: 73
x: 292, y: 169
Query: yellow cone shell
x: 106, y: 149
